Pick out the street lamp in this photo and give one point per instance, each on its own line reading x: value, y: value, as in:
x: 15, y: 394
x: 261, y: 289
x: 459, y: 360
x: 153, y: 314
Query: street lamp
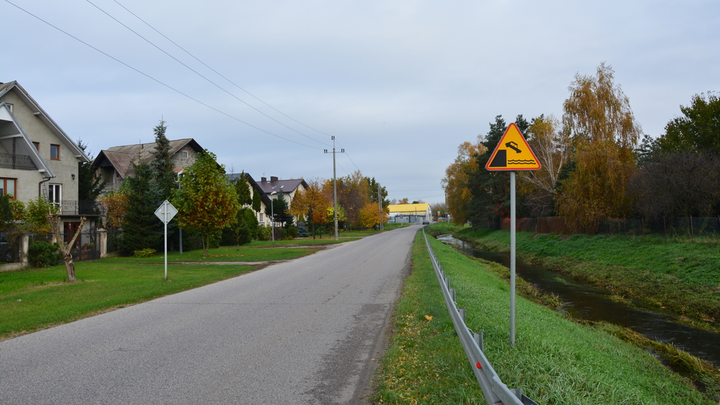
x: 272, y: 216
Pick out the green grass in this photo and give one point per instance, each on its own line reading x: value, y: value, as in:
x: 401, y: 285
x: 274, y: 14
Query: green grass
x: 679, y: 277
x: 554, y: 360
x: 247, y: 253
x: 34, y: 299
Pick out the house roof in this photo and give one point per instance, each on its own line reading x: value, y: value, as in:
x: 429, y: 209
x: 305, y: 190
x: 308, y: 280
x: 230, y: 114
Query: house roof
x: 409, y: 208
x: 277, y: 185
x: 21, y: 93
x: 122, y: 157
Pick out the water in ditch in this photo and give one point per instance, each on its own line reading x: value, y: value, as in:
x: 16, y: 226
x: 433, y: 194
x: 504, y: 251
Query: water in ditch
x: 585, y: 301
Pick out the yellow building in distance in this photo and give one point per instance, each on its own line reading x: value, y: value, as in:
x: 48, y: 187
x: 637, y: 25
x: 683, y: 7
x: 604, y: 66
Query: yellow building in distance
x: 409, y: 213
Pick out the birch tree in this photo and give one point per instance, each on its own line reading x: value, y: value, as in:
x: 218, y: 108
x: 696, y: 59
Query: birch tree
x: 603, y: 132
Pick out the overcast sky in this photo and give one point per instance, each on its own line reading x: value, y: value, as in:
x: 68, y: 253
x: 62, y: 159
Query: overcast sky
x: 400, y: 84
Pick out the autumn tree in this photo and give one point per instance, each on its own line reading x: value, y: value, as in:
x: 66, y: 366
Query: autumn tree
x: 455, y: 182
x: 369, y: 216
x: 353, y: 195
x: 603, y: 132
x: 312, y: 204
x: 114, y: 205
x: 552, y: 148
x: 206, y: 201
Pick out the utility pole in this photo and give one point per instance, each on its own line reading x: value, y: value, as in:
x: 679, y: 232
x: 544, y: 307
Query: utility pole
x: 380, y: 207
x: 335, y: 186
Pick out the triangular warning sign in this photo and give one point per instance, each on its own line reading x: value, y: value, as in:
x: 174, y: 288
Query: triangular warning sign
x: 513, y: 153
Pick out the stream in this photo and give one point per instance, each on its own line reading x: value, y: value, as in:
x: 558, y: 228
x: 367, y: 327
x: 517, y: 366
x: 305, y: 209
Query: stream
x: 585, y: 301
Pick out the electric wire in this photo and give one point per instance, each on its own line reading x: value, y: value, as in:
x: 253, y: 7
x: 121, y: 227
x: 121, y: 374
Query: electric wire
x: 223, y: 76
x: 196, y: 72
x: 154, y: 79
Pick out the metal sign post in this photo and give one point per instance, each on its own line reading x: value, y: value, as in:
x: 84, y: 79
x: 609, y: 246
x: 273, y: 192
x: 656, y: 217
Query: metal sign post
x: 166, y: 212
x: 512, y: 153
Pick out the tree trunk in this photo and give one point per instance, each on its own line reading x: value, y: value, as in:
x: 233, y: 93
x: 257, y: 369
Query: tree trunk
x: 69, y: 266
x: 54, y: 219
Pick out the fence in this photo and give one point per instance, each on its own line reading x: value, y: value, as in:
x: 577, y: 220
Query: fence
x: 90, y: 245
x: 493, y: 388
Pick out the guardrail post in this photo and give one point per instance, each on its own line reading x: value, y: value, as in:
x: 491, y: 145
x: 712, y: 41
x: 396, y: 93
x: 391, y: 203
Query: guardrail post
x: 462, y: 312
x: 452, y: 294
x: 479, y: 340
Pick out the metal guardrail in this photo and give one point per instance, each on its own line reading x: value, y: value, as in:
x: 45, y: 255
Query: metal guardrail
x: 495, y: 391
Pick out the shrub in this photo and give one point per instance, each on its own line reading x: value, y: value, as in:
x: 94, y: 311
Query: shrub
x: 147, y: 252
x: 263, y: 232
x: 43, y: 254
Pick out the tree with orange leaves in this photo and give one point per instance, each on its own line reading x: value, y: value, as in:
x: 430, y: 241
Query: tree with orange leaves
x: 311, y: 203
x: 457, y: 193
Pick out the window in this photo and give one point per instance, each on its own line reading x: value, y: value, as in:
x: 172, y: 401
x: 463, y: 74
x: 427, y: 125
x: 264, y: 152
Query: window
x: 54, y: 152
x: 54, y: 194
x: 7, y: 186
x: 37, y: 145
x: 184, y: 154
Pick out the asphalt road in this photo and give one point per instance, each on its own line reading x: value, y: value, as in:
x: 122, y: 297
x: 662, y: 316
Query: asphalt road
x: 308, y: 331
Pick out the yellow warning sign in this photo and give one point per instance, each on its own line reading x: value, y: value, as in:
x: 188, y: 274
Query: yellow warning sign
x: 513, y: 153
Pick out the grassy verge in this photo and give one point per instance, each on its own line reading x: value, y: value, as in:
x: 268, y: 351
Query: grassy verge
x: 34, y: 299
x: 675, y: 277
x: 554, y: 360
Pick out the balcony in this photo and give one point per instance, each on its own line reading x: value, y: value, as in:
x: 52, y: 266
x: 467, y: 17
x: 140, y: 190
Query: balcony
x: 80, y: 208
x: 16, y: 162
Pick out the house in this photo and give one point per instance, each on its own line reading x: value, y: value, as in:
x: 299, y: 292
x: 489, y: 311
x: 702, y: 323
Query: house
x: 409, y: 213
x: 37, y: 158
x: 115, y: 164
x: 289, y: 188
x: 255, y: 188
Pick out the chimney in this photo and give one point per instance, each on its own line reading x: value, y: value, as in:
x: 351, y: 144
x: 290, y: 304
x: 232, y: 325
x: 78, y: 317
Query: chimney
x: 263, y: 180
x: 273, y: 178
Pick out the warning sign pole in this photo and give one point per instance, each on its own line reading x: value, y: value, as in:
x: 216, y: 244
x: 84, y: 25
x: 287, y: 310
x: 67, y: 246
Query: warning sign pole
x: 511, y: 154
x: 512, y: 257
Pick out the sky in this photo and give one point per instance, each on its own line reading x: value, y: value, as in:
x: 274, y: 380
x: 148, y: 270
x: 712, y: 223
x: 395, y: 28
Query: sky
x: 399, y: 84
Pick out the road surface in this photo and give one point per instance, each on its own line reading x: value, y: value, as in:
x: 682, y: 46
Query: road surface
x: 308, y: 331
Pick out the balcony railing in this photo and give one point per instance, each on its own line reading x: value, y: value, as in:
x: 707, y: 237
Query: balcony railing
x: 87, y: 208
x: 16, y: 162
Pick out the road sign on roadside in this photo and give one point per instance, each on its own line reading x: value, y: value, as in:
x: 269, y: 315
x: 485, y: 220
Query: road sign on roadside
x: 513, y: 153
x: 166, y: 212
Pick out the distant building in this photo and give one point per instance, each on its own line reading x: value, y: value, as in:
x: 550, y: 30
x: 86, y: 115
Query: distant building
x: 409, y: 213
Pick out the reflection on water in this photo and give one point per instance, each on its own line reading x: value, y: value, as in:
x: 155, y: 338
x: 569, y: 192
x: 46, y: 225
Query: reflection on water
x: 585, y: 301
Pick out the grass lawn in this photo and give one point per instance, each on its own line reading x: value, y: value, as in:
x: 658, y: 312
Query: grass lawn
x: 554, y: 360
x: 33, y: 299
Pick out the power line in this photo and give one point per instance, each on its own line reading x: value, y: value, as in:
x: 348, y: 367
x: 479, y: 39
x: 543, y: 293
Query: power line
x: 156, y: 80
x: 193, y: 70
x: 221, y: 75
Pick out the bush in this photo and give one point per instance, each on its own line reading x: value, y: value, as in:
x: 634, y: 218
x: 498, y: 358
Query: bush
x: 263, y: 232
x: 147, y: 252
x: 43, y: 254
